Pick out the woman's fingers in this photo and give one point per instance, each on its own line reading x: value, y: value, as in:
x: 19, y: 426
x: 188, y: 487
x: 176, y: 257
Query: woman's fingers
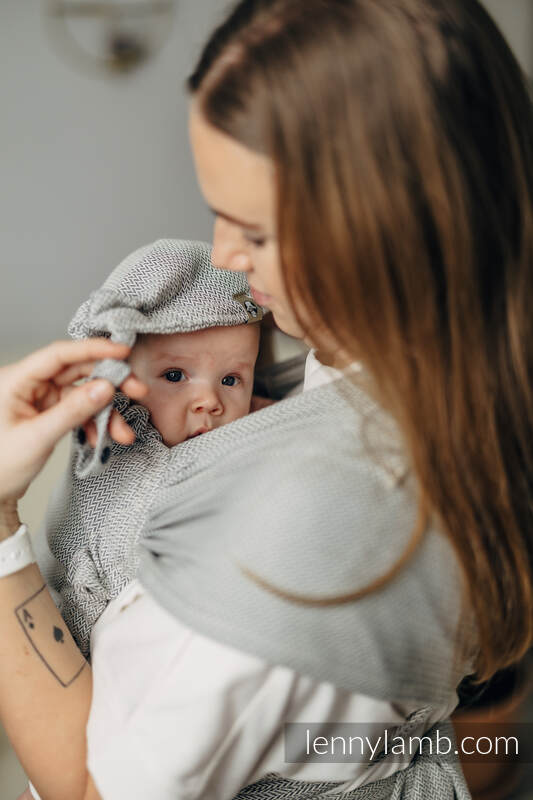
x: 48, y: 362
x: 36, y: 411
x: 63, y: 363
x: 74, y: 373
x: 119, y: 430
x: 134, y: 388
x: 72, y: 410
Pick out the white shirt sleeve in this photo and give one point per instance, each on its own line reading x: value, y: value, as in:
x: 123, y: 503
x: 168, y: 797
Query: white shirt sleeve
x: 178, y: 715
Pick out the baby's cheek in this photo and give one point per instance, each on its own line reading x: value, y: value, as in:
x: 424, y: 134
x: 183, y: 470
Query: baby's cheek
x: 170, y: 426
x: 243, y: 404
x: 155, y: 405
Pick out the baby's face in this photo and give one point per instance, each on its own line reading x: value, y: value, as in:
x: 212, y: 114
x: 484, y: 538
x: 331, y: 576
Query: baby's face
x: 196, y: 381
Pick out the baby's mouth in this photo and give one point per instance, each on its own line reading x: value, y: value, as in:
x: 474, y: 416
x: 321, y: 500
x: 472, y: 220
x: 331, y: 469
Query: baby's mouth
x: 198, y: 432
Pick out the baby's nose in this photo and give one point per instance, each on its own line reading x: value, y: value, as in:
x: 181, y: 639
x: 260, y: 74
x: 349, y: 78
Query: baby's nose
x: 207, y: 399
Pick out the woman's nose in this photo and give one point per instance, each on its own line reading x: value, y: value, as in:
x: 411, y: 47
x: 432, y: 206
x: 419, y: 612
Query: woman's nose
x: 227, y: 252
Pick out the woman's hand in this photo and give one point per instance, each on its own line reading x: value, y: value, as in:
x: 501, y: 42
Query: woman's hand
x: 39, y: 404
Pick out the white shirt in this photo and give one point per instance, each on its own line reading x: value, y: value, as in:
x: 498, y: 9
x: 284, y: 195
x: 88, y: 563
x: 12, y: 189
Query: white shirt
x: 176, y: 715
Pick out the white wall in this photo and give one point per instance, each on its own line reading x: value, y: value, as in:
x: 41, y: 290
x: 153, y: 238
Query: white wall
x: 92, y: 168
x: 515, y: 18
x: 89, y: 168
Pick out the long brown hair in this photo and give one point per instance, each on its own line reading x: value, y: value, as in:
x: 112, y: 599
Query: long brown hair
x: 402, y: 135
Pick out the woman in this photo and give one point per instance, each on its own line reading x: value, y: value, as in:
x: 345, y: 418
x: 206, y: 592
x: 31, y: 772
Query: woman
x: 370, y: 166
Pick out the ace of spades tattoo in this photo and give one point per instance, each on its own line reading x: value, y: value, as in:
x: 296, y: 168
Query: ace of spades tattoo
x: 48, y: 639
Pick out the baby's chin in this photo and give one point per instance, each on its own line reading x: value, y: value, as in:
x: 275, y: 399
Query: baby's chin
x: 172, y: 441
x: 174, y: 438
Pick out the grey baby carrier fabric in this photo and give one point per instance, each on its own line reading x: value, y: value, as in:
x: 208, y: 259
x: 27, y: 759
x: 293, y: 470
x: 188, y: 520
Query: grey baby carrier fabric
x: 93, y: 523
x: 310, y: 496
x: 96, y: 514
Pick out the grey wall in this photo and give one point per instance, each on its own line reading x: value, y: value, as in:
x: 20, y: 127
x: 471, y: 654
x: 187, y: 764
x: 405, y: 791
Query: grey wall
x: 515, y: 18
x: 92, y: 168
x: 89, y: 168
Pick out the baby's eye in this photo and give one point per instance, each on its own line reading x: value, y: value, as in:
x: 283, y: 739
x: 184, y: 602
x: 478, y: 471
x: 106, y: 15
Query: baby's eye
x: 232, y: 380
x: 174, y: 375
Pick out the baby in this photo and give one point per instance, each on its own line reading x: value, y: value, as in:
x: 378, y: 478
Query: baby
x: 196, y: 381
x: 195, y: 347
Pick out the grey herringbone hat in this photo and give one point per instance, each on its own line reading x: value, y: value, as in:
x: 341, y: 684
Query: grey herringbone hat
x: 169, y: 286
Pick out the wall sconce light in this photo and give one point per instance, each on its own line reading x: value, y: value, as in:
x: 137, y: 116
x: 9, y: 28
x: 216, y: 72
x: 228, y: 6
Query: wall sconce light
x: 108, y: 37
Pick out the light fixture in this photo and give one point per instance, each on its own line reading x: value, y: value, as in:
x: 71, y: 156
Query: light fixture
x: 108, y: 37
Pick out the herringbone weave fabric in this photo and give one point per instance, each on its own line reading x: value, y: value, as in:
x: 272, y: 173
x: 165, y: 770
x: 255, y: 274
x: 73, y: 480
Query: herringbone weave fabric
x: 93, y: 524
x: 169, y: 286
x: 94, y: 521
x: 300, y: 494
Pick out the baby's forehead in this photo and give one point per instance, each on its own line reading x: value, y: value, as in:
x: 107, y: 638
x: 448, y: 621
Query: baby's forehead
x: 162, y: 341
x: 216, y: 339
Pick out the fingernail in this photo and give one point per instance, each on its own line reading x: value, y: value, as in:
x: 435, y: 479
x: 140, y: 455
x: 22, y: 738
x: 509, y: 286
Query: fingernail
x: 99, y: 390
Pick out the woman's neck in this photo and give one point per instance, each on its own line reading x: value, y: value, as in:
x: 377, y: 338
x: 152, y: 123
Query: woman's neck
x: 328, y: 351
x: 338, y: 359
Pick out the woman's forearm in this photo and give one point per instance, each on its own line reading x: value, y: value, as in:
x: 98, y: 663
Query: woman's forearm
x: 45, y: 683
